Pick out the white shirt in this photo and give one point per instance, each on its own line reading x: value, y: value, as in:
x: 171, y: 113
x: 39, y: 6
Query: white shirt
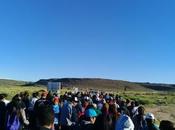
x: 32, y: 103
x: 124, y: 123
x: 5, y: 101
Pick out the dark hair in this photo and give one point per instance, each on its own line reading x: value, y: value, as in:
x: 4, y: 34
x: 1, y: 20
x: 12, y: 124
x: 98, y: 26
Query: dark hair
x: 89, y: 106
x: 36, y: 94
x: 141, y: 110
x: 166, y: 125
x: 123, y: 110
x: 136, y: 103
x: 14, y: 107
x: 45, y: 114
x: 26, y: 93
x: 3, y: 95
x: 17, y: 97
x: 112, y: 109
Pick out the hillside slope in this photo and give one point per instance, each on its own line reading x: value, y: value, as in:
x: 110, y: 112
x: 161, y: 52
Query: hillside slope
x: 93, y: 83
x: 103, y: 84
x: 8, y: 82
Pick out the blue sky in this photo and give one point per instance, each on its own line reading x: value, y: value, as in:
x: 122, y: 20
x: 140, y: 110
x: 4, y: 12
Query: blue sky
x: 118, y: 39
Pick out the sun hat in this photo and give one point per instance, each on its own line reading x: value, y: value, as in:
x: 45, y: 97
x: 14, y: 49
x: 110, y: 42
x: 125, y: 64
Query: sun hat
x: 90, y: 113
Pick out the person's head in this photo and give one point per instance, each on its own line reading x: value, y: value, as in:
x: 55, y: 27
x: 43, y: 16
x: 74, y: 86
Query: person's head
x: 45, y: 115
x: 55, y: 100
x: 127, y: 101
x: 17, y: 97
x: 112, y: 109
x: 141, y: 110
x: 133, y: 104
x: 44, y: 94
x: 90, y: 106
x: 74, y: 100
x: 136, y: 103
x: 3, y: 95
x: 85, y: 103
x: 166, y: 125
x: 123, y: 110
x: 123, y: 103
x: 91, y: 115
x: 150, y: 119
x: 86, y: 98
x: 26, y: 93
x: 35, y: 94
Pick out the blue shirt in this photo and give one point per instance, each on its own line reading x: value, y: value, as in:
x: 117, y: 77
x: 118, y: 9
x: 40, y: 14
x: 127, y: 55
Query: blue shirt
x: 56, y: 109
x: 66, y: 112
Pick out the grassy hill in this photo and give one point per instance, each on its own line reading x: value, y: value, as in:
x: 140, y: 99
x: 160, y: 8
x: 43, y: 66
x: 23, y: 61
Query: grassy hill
x: 8, y: 82
x: 92, y: 83
x: 103, y: 84
x: 12, y: 87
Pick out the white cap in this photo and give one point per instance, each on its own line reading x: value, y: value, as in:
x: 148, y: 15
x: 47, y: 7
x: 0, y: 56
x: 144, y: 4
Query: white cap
x: 86, y: 98
x: 150, y: 116
x: 76, y: 99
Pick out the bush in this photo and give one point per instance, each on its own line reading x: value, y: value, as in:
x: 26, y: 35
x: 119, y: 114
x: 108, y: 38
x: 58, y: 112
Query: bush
x: 145, y: 101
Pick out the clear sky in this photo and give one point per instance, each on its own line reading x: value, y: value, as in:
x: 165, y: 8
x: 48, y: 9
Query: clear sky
x: 130, y: 40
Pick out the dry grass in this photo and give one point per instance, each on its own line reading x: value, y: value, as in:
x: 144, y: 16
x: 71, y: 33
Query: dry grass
x: 163, y: 112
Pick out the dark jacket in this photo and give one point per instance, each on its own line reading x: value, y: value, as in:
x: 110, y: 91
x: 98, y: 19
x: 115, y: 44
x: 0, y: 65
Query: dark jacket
x: 86, y: 125
x: 139, y: 122
x: 104, y: 122
x: 43, y: 128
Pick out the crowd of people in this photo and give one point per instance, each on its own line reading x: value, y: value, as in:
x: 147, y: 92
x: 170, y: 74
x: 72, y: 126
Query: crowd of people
x: 75, y: 111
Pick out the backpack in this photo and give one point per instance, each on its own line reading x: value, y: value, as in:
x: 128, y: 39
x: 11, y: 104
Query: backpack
x: 13, y: 122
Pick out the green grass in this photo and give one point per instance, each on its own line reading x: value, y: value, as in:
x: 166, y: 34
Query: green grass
x: 144, y: 98
x: 151, y: 98
x: 13, y: 90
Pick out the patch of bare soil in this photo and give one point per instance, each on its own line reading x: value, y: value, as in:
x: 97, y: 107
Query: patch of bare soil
x: 163, y: 112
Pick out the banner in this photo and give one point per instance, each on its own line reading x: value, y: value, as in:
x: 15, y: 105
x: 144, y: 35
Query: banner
x: 54, y: 87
